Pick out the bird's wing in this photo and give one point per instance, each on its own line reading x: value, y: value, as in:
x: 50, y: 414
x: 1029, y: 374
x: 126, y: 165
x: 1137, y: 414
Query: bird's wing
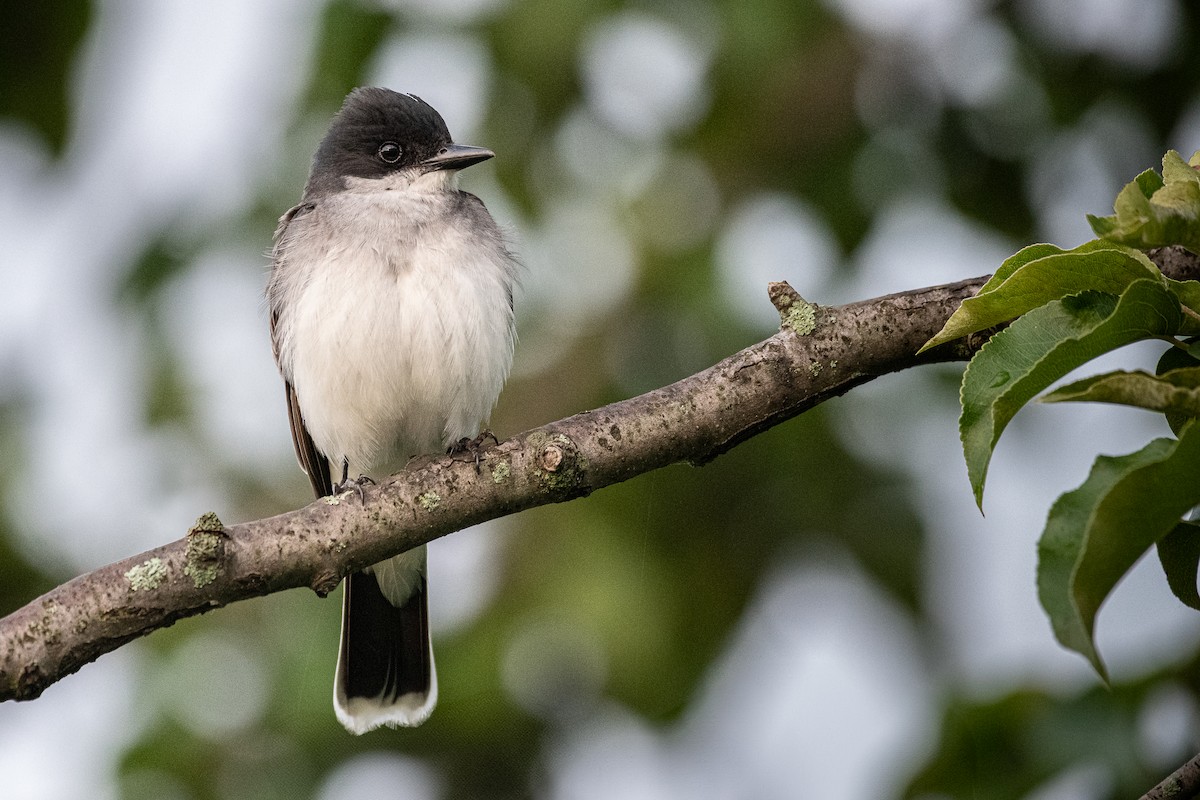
x: 312, y: 461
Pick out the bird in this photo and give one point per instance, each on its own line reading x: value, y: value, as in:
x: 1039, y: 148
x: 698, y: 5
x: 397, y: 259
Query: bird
x: 390, y: 299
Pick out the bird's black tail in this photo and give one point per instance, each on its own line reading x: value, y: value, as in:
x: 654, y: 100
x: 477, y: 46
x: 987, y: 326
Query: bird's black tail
x: 385, y: 671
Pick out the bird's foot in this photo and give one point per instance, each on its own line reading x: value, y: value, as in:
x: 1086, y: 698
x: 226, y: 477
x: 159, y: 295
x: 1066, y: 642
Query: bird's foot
x: 355, y: 485
x: 472, y: 446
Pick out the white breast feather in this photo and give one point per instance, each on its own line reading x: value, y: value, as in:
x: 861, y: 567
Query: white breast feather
x: 394, y: 356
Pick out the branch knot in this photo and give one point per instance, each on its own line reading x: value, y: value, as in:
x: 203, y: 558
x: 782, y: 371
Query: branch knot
x: 795, y: 313
x: 559, y: 465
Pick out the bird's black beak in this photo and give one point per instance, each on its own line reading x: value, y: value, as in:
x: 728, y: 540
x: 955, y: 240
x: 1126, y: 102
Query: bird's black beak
x: 456, y: 156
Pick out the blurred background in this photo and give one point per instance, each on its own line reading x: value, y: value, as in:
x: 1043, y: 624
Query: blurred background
x: 821, y: 613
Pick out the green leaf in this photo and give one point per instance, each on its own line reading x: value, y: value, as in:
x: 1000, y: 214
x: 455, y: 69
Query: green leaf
x: 1041, y: 347
x: 1176, y: 391
x: 1018, y: 260
x: 1178, y: 171
x: 1153, y: 212
x: 1148, y: 183
x: 1095, y: 533
x: 1188, y: 293
x: 1179, y: 554
x: 1040, y: 274
x: 1177, y: 358
x: 1102, y: 226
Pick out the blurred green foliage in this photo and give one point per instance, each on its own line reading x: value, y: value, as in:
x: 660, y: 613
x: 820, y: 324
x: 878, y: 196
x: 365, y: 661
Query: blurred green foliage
x: 1009, y: 746
x: 39, y: 49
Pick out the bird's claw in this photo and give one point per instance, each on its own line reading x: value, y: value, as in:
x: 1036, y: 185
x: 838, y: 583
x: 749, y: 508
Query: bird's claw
x: 473, y: 446
x: 355, y: 485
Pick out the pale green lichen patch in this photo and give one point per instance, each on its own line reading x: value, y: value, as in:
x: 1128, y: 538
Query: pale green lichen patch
x: 501, y: 472
x: 208, y: 522
x: 429, y: 500
x: 204, y: 551
x: 800, y: 316
x: 330, y: 500
x: 147, y: 575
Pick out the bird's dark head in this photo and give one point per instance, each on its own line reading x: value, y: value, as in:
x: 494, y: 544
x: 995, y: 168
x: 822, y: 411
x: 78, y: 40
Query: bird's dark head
x: 378, y: 132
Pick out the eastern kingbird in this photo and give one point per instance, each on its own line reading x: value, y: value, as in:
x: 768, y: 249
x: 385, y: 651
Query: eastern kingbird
x: 391, y: 302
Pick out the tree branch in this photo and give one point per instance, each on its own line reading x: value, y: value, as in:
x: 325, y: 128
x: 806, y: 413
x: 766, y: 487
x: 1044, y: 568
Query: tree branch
x: 820, y: 352
x: 1182, y: 784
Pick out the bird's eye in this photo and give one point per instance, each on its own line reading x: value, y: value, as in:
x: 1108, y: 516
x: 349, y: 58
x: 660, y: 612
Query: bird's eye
x: 390, y: 152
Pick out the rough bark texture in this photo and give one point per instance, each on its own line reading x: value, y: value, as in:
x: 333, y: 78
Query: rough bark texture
x: 1182, y: 784
x: 819, y: 352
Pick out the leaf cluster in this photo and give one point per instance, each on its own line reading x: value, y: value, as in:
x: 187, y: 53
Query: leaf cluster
x: 1055, y: 310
